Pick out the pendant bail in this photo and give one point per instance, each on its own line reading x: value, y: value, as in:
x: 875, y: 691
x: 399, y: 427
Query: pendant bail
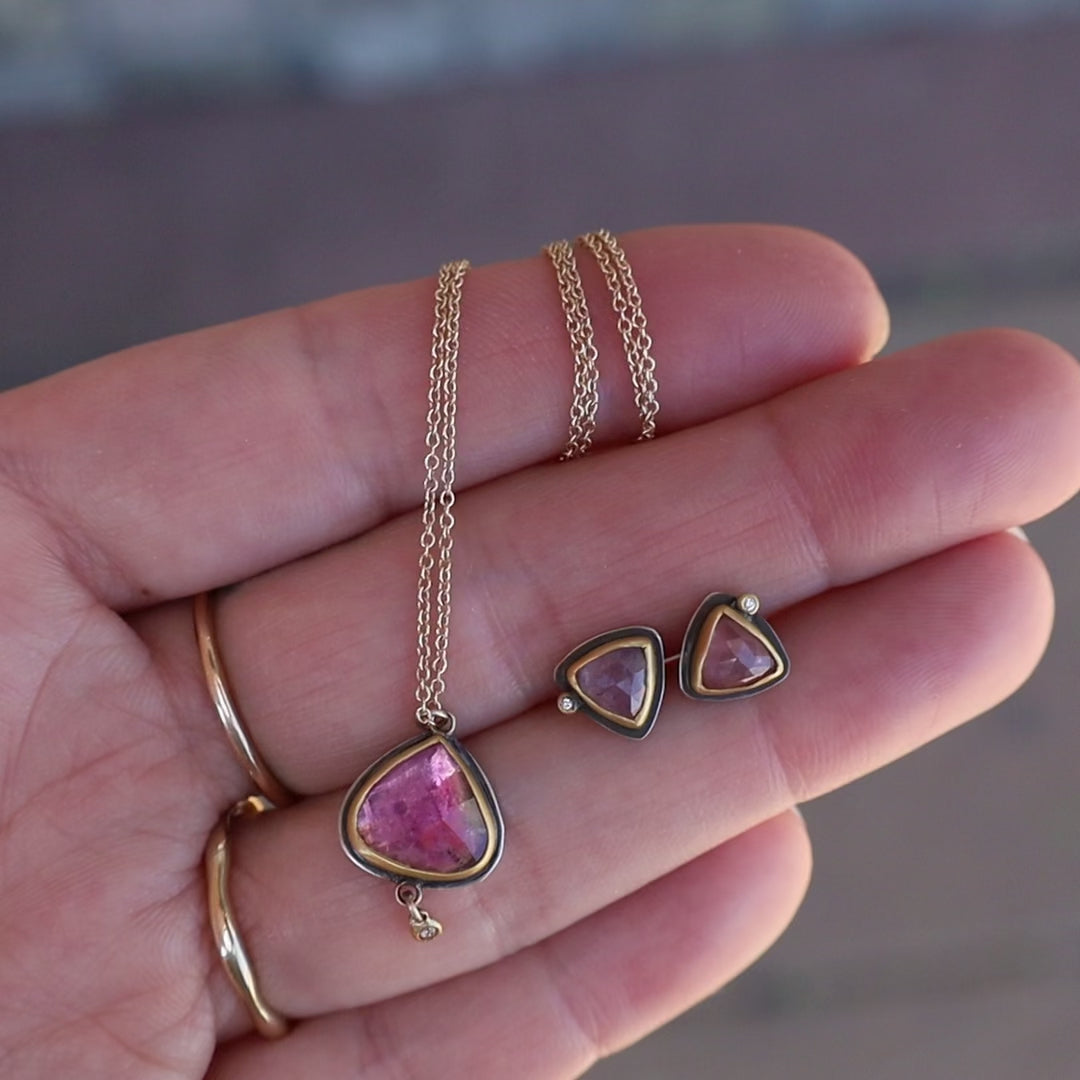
x: 440, y: 721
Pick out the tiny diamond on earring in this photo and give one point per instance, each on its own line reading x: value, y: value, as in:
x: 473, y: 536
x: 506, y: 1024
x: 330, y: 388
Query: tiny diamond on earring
x: 567, y: 703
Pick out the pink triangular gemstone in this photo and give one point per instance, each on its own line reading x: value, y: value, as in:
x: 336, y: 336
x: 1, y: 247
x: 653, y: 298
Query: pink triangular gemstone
x: 616, y: 680
x: 424, y: 814
x: 735, y: 657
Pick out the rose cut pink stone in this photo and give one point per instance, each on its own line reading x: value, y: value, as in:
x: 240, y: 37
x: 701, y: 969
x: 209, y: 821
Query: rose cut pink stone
x: 735, y: 657
x: 424, y: 814
x: 616, y: 680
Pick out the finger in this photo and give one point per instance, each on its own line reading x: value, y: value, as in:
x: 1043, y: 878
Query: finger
x: 213, y: 455
x: 554, y: 1009
x: 882, y: 667
x: 830, y: 483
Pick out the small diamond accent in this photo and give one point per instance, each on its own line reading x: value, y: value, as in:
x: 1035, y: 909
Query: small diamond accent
x: 749, y: 603
x: 567, y: 704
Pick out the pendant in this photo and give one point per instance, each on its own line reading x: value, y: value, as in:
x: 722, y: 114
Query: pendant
x: 423, y: 814
x: 730, y: 651
x: 617, y: 679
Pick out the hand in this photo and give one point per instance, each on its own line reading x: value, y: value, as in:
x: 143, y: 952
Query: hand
x: 863, y: 502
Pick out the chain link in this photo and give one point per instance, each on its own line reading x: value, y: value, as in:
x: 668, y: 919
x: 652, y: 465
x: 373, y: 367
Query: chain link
x: 586, y: 399
x: 437, y: 521
x: 626, y: 300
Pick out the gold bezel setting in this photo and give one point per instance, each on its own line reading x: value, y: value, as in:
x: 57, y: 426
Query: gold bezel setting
x: 699, y: 634
x: 575, y: 699
x: 375, y: 862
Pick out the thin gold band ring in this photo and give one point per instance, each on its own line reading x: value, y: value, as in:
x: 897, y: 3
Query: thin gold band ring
x: 268, y: 1022
x: 217, y: 683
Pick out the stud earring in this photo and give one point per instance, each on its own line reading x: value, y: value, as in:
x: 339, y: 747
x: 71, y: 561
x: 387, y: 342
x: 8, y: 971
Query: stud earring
x: 730, y: 651
x: 617, y: 678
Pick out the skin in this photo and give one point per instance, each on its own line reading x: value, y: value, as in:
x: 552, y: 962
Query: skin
x: 864, y: 503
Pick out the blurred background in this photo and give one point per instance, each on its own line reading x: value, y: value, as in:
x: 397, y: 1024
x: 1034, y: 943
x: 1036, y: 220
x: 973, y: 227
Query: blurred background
x: 165, y: 166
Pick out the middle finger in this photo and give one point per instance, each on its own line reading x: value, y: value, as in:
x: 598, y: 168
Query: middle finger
x: 827, y: 484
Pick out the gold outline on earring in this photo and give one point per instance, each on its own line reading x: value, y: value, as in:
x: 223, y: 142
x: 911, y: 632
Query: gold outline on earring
x: 639, y: 641
x: 575, y: 699
x: 703, y: 629
x: 375, y: 862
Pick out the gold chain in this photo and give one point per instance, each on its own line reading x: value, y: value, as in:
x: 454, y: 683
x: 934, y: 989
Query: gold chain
x: 586, y: 399
x: 626, y: 300
x: 437, y: 528
x: 437, y: 532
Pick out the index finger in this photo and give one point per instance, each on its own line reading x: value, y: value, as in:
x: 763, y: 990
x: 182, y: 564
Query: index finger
x: 203, y: 459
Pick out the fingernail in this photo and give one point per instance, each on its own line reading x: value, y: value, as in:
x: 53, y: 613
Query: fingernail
x: 1019, y: 533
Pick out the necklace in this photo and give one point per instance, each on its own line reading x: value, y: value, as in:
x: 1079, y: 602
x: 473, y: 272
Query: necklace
x: 633, y: 328
x: 424, y: 813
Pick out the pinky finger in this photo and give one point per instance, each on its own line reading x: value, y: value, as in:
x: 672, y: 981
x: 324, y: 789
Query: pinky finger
x: 554, y: 1009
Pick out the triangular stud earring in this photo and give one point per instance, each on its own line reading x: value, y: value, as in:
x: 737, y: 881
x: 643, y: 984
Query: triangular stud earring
x: 730, y: 651
x: 617, y: 679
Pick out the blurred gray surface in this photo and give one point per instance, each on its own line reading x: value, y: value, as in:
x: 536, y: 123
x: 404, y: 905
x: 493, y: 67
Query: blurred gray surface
x: 93, y: 57
x: 945, y: 163
x: 941, y: 938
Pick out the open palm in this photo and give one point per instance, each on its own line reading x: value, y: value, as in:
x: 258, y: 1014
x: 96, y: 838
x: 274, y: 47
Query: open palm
x: 863, y: 503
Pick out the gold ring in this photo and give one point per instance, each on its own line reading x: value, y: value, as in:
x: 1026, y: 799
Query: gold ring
x: 268, y: 1023
x: 217, y: 683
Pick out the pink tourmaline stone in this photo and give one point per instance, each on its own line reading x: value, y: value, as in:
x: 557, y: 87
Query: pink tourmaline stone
x: 616, y: 680
x: 734, y: 658
x: 424, y: 814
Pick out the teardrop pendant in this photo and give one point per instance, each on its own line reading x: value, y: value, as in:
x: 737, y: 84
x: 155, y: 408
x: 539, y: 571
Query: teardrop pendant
x: 423, y: 813
x: 617, y: 679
